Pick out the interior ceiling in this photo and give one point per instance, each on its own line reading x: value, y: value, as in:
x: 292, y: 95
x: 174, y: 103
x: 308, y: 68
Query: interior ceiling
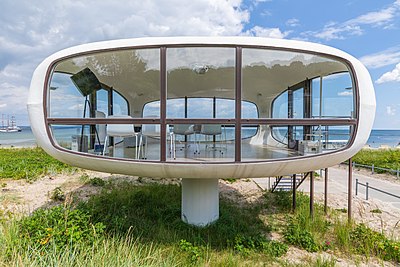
x: 130, y: 76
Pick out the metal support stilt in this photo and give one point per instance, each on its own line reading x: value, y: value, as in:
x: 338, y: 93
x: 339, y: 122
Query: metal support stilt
x: 349, y: 192
x: 294, y: 185
x: 326, y: 192
x: 312, y: 194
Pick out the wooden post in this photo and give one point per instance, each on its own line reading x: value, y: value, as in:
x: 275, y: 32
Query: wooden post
x: 312, y: 194
x: 326, y: 192
x: 294, y: 192
x: 349, y: 192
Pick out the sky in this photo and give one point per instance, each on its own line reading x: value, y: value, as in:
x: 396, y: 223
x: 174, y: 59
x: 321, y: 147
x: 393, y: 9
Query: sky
x: 367, y: 29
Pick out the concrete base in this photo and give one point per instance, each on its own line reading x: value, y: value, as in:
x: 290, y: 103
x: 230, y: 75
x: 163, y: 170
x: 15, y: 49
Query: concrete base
x: 200, y: 201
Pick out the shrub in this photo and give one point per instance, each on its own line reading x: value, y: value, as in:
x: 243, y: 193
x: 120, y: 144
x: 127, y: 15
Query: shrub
x: 193, y: 251
x: 59, y: 226
x: 57, y: 194
x: 368, y: 242
x: 246, y: 245
x: 283, y: 200
x: 96, y: 181
x: 299, y: 236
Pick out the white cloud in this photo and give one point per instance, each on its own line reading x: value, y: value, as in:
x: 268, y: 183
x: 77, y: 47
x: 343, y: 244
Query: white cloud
x: 376, y: 17
x: 30, y: 31
x: 384, y: 58
x: 76, y: 107
x: 12, y: 100
x: 267, y: 32
x: 337, y: 31
x: 391, y: 111
x: 391, y: 76
x: 345, y: 93
x: 293, y: 22
x: 381, y: 18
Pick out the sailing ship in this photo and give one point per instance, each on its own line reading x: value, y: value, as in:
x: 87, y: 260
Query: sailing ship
x: 10, y: 127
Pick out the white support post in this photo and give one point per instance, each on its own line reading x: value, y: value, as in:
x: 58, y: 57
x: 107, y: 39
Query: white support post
x: 200, y: 201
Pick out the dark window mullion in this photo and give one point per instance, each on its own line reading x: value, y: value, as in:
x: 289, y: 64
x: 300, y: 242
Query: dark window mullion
x: 163, y: 103
x: 238, y: 105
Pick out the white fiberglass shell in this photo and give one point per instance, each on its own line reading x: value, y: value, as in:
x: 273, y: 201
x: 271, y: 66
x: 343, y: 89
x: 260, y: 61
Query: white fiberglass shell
x: 364, y: 108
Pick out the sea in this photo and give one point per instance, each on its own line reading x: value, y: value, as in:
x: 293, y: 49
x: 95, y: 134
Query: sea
x: 25, y: 138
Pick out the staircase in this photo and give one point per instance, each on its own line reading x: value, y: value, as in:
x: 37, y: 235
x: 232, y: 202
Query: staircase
x: 285, y: 183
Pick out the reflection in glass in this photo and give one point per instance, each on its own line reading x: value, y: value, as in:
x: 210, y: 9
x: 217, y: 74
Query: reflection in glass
x: 131, y: 78
x: 200, y: 75
x: 113, y: 140
x: 273, y: 142
x: 202, y: 142
x: 201, y: 85
x: 267, y: 74
x: 298, y: 104
x: 214, y: 108
x: 337, y: 96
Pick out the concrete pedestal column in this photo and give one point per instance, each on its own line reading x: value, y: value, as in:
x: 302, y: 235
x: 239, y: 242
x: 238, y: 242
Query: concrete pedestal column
x: 200, y: 201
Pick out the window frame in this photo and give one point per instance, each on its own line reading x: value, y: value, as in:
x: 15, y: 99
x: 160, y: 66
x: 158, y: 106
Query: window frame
x: 238, y: 121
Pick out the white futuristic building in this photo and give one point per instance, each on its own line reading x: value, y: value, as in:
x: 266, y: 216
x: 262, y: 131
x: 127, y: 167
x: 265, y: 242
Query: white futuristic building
x: 200, y: 109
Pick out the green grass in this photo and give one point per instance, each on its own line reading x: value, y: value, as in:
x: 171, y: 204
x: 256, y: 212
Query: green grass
x: 136, y: 225
x: 128, y: 225
x: 389, y: 159
x: 29, y: 164
x: 331, y: 232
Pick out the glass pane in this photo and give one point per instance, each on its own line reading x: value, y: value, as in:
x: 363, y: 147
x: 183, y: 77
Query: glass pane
x: 268, y: 74
x: 200, y: 108
x: 274, y: 143
x: 200, y: 74
x: 201, y: 142
x: 249, y: 110
x: 280, y: 107
x: 65, y: 100
x: 102, y: 101
x: 113, y: 140
x: 120, y: 104
x: 337, y: 96
x: 151, y: 142
x: 225, y: 108
x: 132, y: 75
x: 298, y: 104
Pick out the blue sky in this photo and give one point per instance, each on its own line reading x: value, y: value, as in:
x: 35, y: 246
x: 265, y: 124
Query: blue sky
x: 367, y: 29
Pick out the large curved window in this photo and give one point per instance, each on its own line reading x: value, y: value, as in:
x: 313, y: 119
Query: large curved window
x: 201, y: 104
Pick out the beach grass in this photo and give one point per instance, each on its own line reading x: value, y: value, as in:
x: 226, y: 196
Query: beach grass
x: 382, y: 158
x: 139, y: 225
x: 29, y: 164
x: 130, y: 225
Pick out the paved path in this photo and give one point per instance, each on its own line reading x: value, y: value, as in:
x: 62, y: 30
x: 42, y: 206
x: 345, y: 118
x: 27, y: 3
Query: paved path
x: 337, y: 183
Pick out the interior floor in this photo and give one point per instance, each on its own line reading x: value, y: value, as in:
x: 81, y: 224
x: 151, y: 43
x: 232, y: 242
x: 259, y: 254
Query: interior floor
x: 201, y: 152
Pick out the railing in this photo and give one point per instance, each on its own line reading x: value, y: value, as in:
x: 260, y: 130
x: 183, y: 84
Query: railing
x: 367, y: 187
x: 374, y: 168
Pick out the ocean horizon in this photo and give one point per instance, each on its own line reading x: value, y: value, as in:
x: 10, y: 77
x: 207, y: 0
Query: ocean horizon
x: 25, y: 138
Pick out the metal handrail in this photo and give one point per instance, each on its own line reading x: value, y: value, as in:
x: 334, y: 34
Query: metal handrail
x: 367, y: 187
x: 374, y: 168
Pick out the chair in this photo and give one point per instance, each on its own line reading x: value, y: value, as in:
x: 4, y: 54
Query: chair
x: 100, y: 133
x: 210, y: 130
x: 154, y: 131
x: 122, y: 130
x: 186, y: 130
